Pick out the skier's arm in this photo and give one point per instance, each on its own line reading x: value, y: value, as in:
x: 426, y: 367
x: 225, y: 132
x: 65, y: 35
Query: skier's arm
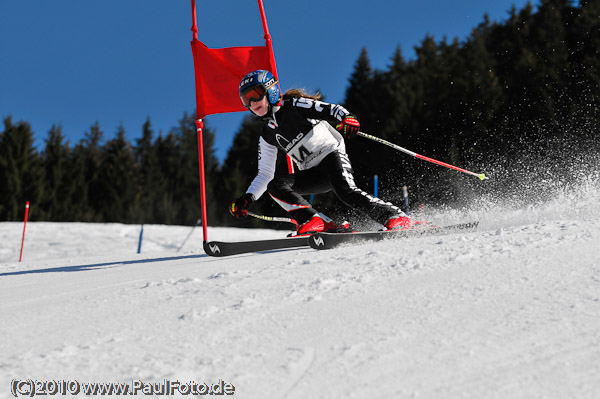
x: 314, y: 109
x: 267, y: 160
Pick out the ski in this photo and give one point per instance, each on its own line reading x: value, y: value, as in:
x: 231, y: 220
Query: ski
x: 221, y: 248
x: 332, y: 240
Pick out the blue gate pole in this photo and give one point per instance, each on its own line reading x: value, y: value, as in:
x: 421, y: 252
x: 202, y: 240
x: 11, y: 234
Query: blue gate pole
x: 140, y: 242
x: 375, y: 182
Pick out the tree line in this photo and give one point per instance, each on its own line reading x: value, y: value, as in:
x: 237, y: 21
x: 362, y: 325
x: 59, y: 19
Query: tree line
x: 154, y: 180
x: 515, y: 97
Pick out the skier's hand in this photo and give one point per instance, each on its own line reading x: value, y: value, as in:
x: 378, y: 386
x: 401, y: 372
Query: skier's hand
x: 349, y: 126
x: 239, y: 207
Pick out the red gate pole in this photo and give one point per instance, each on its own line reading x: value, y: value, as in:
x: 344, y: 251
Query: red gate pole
x: 194, y: 18
x: 199, y: 126
x: 24, y: 227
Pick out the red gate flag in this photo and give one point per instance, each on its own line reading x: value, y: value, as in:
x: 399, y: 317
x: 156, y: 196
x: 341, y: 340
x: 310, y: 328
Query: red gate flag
x: 218, y: 73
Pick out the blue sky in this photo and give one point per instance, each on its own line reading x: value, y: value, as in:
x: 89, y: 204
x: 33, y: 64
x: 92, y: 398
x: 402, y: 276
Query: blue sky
x: 73, y: 62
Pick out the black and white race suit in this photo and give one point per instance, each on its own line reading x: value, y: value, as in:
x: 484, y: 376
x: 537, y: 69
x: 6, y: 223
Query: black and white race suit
x: 302, y: 128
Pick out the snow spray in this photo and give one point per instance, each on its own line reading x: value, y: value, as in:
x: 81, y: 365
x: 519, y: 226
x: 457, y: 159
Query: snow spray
x: 405, y: 192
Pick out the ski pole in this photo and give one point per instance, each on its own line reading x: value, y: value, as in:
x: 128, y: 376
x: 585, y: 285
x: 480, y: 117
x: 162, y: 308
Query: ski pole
x: 424, y: 158
x: 273, y: 218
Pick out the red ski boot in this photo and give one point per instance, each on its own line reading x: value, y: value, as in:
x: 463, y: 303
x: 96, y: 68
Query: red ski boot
x: 398, y: 223
x: 404, y: 223
x: 321, y: 224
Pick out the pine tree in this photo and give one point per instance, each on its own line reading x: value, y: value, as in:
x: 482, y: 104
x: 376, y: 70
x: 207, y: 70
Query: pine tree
x: 89, y: 152
x: 166, y: 206
x: 398, y: 99
x: 358, y: 98
x: 118, y: 180
x: 152, y: 181
x: 80, y: 207
x: 59, y: 188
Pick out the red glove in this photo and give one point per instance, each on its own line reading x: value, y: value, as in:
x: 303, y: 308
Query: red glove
x: 239, y: 207
x: 349, y: 126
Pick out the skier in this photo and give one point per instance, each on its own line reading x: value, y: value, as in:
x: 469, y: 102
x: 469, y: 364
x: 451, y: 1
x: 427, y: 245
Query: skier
x: 301, y: 125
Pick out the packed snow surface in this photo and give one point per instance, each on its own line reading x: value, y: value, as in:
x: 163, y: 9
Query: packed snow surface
x: 510, y: 310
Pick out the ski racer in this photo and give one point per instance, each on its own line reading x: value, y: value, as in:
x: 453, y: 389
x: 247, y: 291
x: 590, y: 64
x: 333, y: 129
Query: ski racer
x: 301, y: 125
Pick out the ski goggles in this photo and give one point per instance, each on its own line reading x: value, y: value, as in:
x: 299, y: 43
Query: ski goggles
x: 254, y: 93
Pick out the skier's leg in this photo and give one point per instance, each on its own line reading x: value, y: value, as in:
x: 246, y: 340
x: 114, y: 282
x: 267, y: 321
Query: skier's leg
x: 287, y: 191
x: 341, y: 177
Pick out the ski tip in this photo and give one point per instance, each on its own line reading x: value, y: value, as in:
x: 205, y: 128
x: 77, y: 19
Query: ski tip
x: 483, y: 177
x: 212, y: 248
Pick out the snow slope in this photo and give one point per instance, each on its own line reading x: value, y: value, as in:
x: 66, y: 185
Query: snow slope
x: 511, y: 310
